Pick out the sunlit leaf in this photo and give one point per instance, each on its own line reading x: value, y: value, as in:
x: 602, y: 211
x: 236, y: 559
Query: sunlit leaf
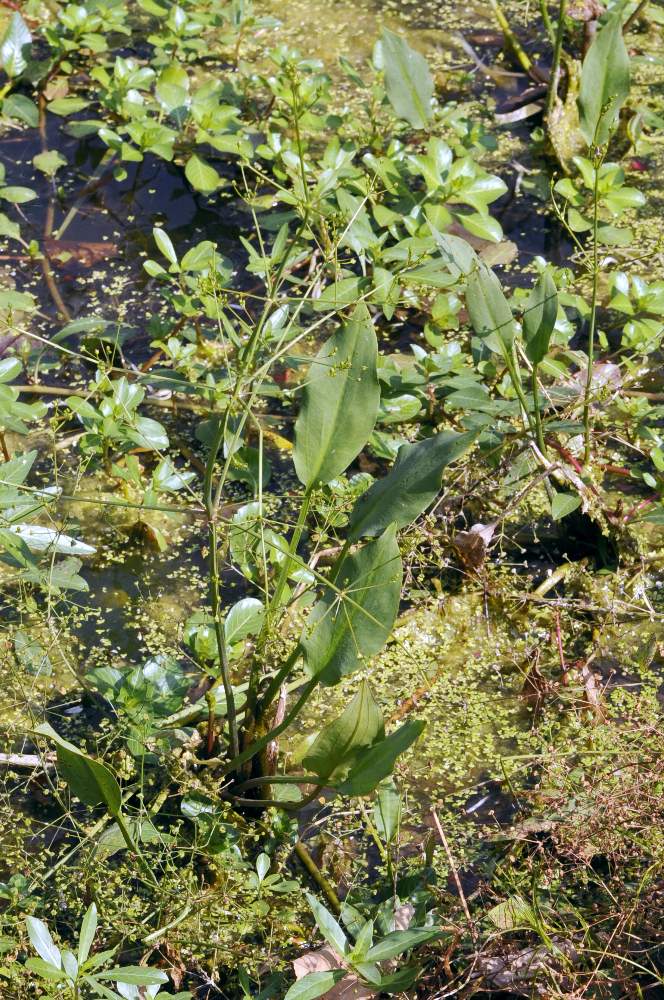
x: 353, y: 620
x: 408, y: 80
x: 410, y: 486
x: 339, y: 402
x: 605, y: 81
x: 539, y: 318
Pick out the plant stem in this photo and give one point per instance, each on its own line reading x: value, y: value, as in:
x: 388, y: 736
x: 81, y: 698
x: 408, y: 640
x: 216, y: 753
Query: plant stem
x: 557, y: 56
x: 512, y: 41
x: 274, y: 686
x: 220, y: 633
x: 133, y: 846
x: 266, y: 738
x: 3, y: 448
x: 593, y: 316
x: 538, y: 413
x: 316, y: 874
x: 546, y: 20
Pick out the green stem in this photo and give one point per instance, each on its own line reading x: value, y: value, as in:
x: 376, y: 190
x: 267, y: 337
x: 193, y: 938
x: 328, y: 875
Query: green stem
x: 133, y: 846
x: 512, y: 41
x: 220, y: 633
x: 509, y: 355
x: 546, y: 20
x: 263, y: 741
x: 274, y: 686
x: 593, y: 317
x: 538, y: 413
x: 557, y: 56
x: 316, y: 874
x: 273, y: 606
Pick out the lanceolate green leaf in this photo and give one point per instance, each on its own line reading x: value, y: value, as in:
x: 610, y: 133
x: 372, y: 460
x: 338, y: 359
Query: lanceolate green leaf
x: 354, y: 619
x: 410, y: 486
x: 604, y: 81
x: 328, y: 926
x: 339, y: 402
x: 314, y: 985
x: 399, y: 941
x: 408, y: 80
x: 90, y: 780
x: 539, y: 318
x: 489, y: 310
x: 378, y: 762
x: 359, y: 725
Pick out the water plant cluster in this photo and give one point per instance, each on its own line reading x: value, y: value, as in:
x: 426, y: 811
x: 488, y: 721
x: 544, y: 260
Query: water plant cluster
x: 329, y: 515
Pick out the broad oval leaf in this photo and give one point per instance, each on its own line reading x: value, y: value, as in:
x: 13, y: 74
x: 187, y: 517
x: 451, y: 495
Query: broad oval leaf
x: 539, y: 318
x: 604, y: 81
x: 244, y: 618
x: 408, y: 80
x: 378, y: 762
x: 339, y: 402
x: 354, y: 618
x: 89, y: 780
x: 201, y: 175
x: 410, y: 486
x: 489, y: 310
x: 359, y: 725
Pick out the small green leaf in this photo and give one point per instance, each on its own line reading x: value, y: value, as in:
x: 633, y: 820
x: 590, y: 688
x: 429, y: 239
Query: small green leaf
x: 408, y: 80
x: 399, y: 941
x: 539, y: 318
x: 13, y: 45
x: 67, y: 106
x: 605, y: 81
x: 21, y: 107
x: 86, y: 937
x: 163, y: 241
x: 563, y: 504
x: 244, y: 618
x: 387, y: 811
x: 315, y: 984
x: 90, y: 780
x: 17, y: 195
x: 328, y: 926
x: 42, y: 942
x: 50, y: 162
x: 201, y: 175
x: 358, y: 726
x: 410, y: 486
x: 134, y: 975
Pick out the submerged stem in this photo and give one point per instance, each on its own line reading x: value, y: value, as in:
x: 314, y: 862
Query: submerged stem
x: 593, y: 316
x: 554, y: 79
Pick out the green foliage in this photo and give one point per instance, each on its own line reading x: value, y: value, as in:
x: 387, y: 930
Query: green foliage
x: 72, y: 972
x: 354, y: 617
x: 604, y: 81
x: 339, y: 402
x: 408, y: 80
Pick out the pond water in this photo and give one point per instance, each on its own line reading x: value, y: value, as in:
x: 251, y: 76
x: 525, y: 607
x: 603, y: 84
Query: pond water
x: 467, y: 644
